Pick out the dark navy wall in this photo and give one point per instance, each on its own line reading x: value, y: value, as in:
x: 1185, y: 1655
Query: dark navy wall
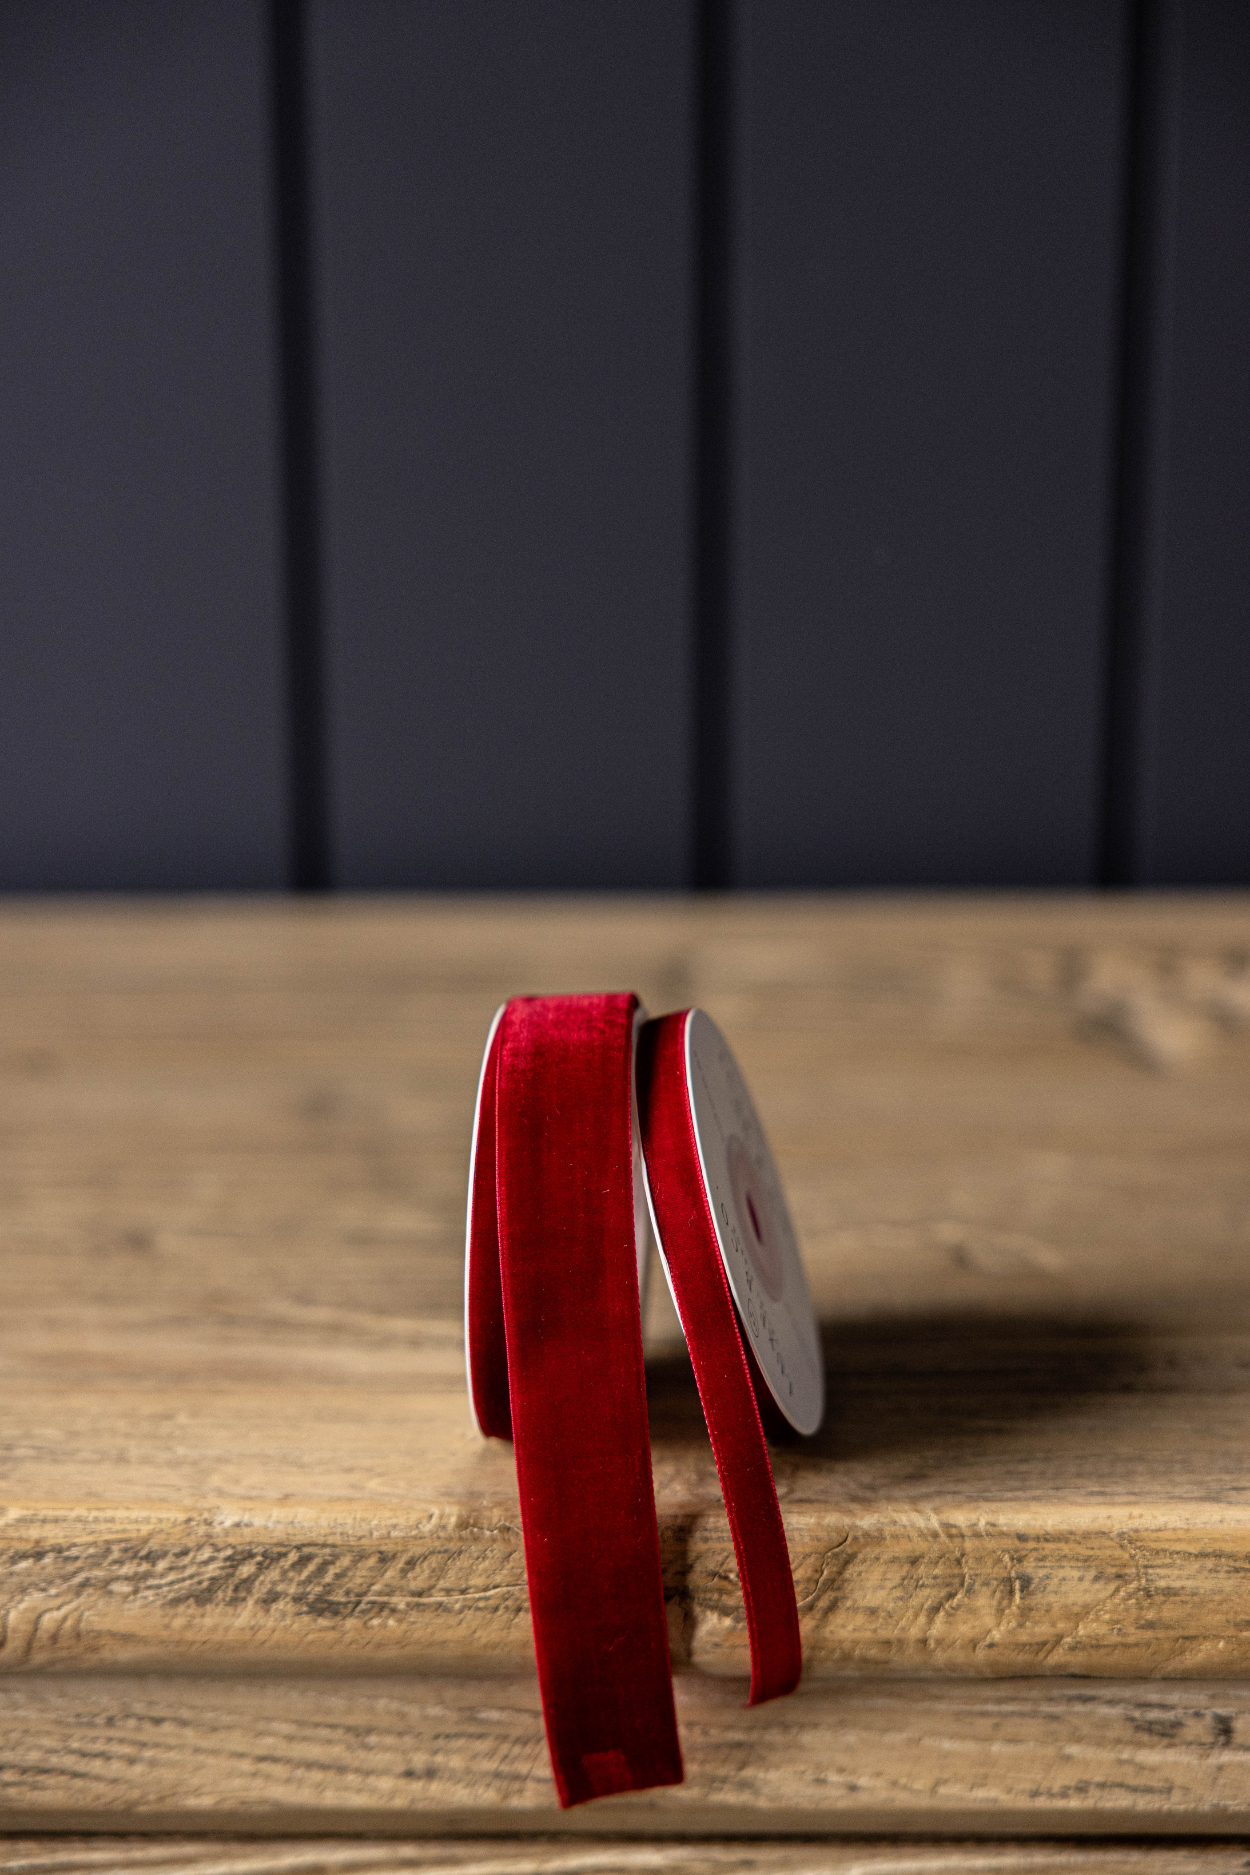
x: 1191, y: 819
x: 142, y: 715
x: 927, y: 264
x: 503, y: 223
x: 520, y: 443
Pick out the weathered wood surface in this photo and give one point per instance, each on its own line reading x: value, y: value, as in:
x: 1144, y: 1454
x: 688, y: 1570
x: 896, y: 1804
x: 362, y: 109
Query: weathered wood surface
x: 293, y: 1856
x: 234, y: 1142
x: 423, y: 1755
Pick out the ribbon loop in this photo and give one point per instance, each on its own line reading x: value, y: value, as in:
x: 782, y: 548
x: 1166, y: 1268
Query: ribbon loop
x: 722, y: 1362
x: 556, y: 1232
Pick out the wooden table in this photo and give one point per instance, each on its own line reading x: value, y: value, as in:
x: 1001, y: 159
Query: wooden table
x: 257, y: 1571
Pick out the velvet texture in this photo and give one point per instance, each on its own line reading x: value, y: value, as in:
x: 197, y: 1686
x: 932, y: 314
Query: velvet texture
x: 724, y: 1368
x: 555, y: 1343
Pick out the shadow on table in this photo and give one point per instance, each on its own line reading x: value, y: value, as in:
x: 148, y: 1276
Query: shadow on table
x: 923, y: 1382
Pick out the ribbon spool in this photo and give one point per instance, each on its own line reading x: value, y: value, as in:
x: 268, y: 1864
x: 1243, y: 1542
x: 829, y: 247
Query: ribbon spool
x: 571, y: 1149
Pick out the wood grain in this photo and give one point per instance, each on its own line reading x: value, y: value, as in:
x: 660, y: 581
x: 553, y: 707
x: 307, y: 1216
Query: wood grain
x: 234, y: 1148
x: 295, y: 1856
x: 422, y: 1755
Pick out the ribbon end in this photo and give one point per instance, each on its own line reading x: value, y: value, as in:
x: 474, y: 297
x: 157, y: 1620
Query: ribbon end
x: 777, y: 1686
x: 610, y: 1774
x: 607, y: 1772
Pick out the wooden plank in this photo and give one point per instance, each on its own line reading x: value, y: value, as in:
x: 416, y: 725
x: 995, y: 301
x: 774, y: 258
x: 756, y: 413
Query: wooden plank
x: 927, y: 242
x: 143, y: 708
x: 423, y: 1755
x: 504, y: 225
x: 235, y: 1143
x: 182, y: 1855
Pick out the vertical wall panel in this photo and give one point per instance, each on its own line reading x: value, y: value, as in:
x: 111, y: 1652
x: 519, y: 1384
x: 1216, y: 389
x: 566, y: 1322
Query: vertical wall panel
x: 503, y: 231
x: 1193, y: 818
x: 928, y: 232
x: 142, y: 734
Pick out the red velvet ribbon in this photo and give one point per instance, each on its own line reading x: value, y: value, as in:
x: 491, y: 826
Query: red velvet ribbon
x: 725, y: 1370
x: 555, y: 1363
